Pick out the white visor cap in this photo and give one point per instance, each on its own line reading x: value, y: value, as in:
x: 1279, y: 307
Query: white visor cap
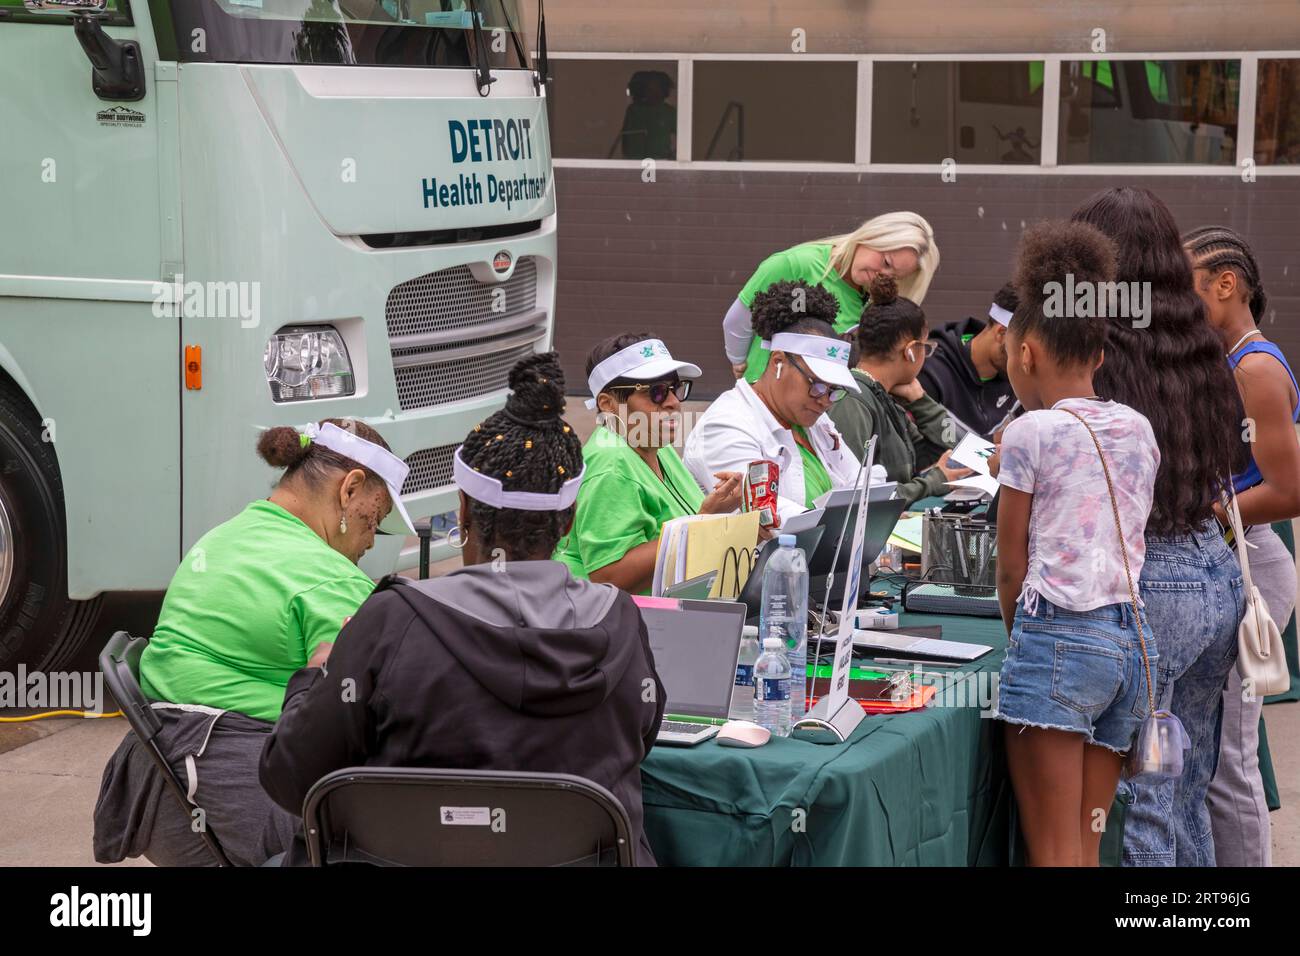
x: 643, y: 361
x: 380, y: 460
x: 827, y: 358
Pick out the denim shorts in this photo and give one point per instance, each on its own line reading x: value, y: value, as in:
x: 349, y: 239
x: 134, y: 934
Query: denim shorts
x: 1079, y: 671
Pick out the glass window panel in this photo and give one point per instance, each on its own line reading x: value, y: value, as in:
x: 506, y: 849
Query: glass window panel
x: 774, y: 111
x: 613, y: 109
x: 1149, y: 111
x: 1277, y: 113
x: 980, y: 112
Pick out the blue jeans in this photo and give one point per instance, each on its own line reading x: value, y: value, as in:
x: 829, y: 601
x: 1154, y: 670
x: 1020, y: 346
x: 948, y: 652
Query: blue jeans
x: 1194, y: 600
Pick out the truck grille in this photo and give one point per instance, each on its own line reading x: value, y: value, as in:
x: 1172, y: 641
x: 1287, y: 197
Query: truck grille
x: 437, y: 383
x: 430, y: 468
x: 453, y: 298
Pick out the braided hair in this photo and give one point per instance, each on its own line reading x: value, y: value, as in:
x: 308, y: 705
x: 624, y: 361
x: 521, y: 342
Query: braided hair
x: 311, y: 462
x: 888, y: 319
x: 1216, y: 248
x: 526, y: 446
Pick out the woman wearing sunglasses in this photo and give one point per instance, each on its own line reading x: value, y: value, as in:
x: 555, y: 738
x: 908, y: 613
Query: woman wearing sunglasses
x: 782, y: 416
x: 634, y: 479
x: 915, y: 432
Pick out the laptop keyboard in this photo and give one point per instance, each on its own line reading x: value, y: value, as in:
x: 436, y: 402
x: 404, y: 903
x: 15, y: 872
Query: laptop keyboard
x: 680, y: 727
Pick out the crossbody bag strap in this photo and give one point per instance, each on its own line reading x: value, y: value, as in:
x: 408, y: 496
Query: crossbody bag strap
x: 1238, y: 533
x: 1123, y: 548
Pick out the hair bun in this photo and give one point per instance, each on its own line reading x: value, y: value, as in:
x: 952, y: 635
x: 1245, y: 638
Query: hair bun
x: 281, y: 447
x: 883, y: 289
x: 537, y: 389
x: 1051, y: 250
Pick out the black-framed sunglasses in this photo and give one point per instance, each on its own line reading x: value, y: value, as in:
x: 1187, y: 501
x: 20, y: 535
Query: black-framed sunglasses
x: 658, y: 392
x: 816, y: 387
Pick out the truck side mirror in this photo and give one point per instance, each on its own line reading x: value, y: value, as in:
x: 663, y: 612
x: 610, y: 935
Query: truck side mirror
x: 117, y: 68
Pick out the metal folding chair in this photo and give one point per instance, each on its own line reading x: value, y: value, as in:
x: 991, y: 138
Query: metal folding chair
x: 120, y: 662
x: 412, y: 816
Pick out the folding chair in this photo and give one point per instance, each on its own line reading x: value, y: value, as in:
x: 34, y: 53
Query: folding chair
x: 412, y: 816
x: 120, y: 662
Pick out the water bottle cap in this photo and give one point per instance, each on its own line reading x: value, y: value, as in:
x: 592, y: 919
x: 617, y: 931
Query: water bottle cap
x: 773, y: 644
x: 787, y: 541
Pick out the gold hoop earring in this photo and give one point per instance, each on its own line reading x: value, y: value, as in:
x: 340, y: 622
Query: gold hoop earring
x: 460, y: 538
x: 604, y: 420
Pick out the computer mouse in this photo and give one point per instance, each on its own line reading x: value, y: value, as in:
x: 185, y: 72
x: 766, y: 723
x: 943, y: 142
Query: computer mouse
x: 742, y: 733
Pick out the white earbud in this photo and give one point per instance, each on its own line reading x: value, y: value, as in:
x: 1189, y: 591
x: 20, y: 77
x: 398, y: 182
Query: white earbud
x: 911, y: 356
x: 778, y: 371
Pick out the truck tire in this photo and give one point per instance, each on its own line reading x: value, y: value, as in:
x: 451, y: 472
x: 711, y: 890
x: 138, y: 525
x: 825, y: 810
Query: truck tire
x: 39, y: 626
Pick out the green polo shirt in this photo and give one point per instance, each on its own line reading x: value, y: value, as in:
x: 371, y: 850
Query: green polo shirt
x: 806, y: 262
x: 245, y: 609
x: 622, y: 503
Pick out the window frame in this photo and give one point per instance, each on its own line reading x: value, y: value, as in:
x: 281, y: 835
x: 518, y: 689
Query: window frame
x: 1047, y: 164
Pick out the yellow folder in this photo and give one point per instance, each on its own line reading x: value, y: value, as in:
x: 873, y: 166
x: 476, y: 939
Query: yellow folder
x: 722, y: 543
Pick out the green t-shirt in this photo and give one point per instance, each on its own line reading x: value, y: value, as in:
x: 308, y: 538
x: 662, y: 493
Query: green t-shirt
x: 622, y: 503
x: 816, y: 480
x: 807, y: 262
x: 245, y: 609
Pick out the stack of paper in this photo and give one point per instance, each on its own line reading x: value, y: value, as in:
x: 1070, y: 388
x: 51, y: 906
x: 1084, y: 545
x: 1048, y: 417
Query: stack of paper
x: 697, y: 544
x: 974, y: 452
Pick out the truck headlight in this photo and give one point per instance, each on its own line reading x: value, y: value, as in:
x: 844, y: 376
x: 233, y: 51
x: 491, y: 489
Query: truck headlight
x: 306, y: 362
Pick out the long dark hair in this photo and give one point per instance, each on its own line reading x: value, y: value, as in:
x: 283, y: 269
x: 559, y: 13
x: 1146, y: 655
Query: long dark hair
x: 1172, y: 371
x: 527, y: 446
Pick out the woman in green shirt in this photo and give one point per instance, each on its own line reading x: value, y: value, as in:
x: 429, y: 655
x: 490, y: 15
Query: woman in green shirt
x: 898, y: 244
x: 914, y: 432
x: 255, y: 599
x: 634, y: 479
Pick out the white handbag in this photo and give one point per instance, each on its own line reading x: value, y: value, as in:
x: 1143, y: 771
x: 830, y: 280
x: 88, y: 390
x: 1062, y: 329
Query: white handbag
x: 1261, y: 658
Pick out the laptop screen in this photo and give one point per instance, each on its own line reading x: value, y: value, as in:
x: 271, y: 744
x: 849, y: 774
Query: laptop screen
x: 695, y: 649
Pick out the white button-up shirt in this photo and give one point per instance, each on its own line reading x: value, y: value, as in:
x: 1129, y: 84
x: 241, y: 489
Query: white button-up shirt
x: 738, y: 428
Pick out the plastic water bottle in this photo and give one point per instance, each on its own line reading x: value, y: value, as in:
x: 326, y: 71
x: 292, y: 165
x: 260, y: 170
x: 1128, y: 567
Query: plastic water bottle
x: 784, y: 613
x: 772, y: 688
x: 742, y: 697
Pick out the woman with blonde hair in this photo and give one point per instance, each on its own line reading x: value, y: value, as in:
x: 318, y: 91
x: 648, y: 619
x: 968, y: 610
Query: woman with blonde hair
x: 897, y: 244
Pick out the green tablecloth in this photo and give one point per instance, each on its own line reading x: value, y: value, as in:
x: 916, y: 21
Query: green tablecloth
x: 926, y: 788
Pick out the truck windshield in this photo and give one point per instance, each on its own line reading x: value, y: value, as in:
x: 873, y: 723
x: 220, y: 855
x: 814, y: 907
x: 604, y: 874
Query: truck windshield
x: 418, y: 33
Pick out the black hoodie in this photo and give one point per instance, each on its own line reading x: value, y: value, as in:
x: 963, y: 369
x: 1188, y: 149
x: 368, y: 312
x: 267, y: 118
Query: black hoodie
x: 950, y: 378
x: 520, y: 667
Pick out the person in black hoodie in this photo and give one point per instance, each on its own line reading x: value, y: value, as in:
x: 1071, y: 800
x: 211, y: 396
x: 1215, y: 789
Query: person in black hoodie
x: 967, y: 374
x: 509, y: 663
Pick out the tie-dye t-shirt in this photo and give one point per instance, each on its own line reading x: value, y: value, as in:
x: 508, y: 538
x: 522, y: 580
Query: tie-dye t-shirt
x: 1074, y: 555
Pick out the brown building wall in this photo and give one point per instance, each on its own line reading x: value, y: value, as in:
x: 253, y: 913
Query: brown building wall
x: 917, y: 26
x: 670, y: 256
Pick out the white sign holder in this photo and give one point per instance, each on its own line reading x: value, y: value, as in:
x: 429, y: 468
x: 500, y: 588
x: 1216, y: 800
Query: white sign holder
x: 836, y: 715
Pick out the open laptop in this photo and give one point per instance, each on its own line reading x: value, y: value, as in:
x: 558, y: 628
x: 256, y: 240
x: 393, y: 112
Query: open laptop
x: 882, y: 516
x: 751, y: 595
x: 695, y: 646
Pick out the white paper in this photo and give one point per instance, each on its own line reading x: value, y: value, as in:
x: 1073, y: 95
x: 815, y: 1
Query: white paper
x: 973, y: 452
x: 985, y: 483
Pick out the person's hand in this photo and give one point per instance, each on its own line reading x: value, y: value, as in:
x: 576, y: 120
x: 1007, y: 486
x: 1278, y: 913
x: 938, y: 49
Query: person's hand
x: 951, y: 473
x: 995, y: 461
x: 909, y: 391
x: 738, y: 370
x: 725, y: 496
x: 321, y: 654
x: 766, y: 533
